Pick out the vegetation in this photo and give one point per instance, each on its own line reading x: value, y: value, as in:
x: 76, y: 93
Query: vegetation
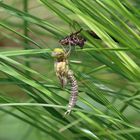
x: 32, y: 102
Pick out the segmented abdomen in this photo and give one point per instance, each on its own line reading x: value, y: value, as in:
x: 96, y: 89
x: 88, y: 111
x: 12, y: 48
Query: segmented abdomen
x: 74, y: 91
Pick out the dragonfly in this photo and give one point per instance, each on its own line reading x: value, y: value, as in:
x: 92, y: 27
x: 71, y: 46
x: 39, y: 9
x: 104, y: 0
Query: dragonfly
x: 65, y: 74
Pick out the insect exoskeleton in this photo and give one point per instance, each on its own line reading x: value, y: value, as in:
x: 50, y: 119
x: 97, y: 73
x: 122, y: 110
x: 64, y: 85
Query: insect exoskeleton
x: 74, y: 39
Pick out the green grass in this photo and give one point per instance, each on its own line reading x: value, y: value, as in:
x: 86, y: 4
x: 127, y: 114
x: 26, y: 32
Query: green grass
x: 32, y: 102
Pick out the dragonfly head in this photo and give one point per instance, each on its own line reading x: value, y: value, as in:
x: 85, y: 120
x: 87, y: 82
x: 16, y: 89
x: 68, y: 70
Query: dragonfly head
x: 58, y: 53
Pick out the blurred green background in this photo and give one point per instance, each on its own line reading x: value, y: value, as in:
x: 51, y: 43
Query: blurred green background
x: 107, y: 72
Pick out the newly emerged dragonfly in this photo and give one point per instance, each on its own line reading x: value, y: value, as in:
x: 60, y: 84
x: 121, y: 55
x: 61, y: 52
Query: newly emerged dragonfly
x: 65, y: 74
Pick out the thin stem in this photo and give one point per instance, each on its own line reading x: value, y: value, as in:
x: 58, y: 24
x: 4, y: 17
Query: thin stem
x: 25, y: 8
x: 127, y: 102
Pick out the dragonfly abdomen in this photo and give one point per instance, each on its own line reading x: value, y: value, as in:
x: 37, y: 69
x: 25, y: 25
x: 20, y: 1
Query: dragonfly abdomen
x: 74, y: 91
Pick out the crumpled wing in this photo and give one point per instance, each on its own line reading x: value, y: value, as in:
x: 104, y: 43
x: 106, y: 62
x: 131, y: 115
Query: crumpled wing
x: 61, y: 72
x: 63, y: 81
